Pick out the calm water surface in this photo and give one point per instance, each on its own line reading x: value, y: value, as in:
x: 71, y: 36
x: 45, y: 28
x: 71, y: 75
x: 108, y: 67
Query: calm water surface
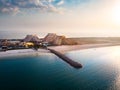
x: 101, y: 71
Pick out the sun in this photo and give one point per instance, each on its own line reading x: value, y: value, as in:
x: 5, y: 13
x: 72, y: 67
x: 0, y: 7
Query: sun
x: 116, y: 14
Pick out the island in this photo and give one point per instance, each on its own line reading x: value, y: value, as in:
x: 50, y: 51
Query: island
x: 53, y: 43
x: 57, y: 42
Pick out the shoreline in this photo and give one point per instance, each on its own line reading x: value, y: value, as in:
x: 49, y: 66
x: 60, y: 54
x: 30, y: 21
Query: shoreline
x: 23, y: 52
x: 67, y: 48
x: 62, y: 49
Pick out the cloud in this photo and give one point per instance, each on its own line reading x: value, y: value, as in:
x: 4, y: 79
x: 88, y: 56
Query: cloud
x: 40, y: 6
x: 61, y: 2
x: 17, y: 6
x: 10, y: 9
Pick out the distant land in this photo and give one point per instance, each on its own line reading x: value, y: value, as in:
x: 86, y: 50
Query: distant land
x: 57, y: 44
x: 52, y: 39
x: 95, y: 40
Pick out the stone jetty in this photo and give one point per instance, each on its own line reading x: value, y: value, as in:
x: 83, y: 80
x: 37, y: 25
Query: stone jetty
x: 66, y: 59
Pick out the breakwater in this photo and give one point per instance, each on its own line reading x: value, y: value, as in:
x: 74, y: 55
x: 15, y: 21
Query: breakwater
x: 66, y: 59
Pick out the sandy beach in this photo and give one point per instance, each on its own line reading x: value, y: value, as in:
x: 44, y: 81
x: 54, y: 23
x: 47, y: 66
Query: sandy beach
x: 62, y: 49
x: 23, y: 52
x: 67, y: 48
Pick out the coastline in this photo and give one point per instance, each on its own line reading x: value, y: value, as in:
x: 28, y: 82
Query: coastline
x: 23, y: 52
x: 62, y: 49
x: 68, y: 48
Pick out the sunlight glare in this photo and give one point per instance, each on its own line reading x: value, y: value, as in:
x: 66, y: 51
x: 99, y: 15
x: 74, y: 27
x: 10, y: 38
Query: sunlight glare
x: 116, y: 14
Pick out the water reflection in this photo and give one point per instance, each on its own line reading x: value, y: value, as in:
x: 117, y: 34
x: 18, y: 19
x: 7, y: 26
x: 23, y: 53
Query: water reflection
x: 101, y: 71
x: 102, y: 62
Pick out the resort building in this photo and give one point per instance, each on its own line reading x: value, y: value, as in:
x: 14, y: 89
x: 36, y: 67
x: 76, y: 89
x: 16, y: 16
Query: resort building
x: 29, y: 44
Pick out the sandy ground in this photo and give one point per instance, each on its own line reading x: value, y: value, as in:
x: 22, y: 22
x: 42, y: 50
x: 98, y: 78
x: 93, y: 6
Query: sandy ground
x: 62, y: 49
x: 67, y: 48
x: 22, y: 52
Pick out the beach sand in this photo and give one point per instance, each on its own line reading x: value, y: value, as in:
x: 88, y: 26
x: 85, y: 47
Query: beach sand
x: 23, y: 52
x: 62, y: 49
x: 67, y: 48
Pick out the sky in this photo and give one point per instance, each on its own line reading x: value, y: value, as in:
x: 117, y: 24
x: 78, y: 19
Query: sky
x: 73, y: 18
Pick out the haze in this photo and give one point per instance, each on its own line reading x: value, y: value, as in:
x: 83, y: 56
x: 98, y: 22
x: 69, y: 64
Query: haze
x: 74, y: 18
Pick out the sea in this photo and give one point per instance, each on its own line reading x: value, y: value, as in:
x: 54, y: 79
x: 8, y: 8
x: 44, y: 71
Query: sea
x: 100, y: 71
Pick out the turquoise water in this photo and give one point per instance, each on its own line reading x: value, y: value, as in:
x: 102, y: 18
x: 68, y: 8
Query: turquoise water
x: 101, y: 71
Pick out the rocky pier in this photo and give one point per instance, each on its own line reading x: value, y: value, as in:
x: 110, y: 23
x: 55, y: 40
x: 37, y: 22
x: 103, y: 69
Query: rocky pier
x: 66, y: 59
